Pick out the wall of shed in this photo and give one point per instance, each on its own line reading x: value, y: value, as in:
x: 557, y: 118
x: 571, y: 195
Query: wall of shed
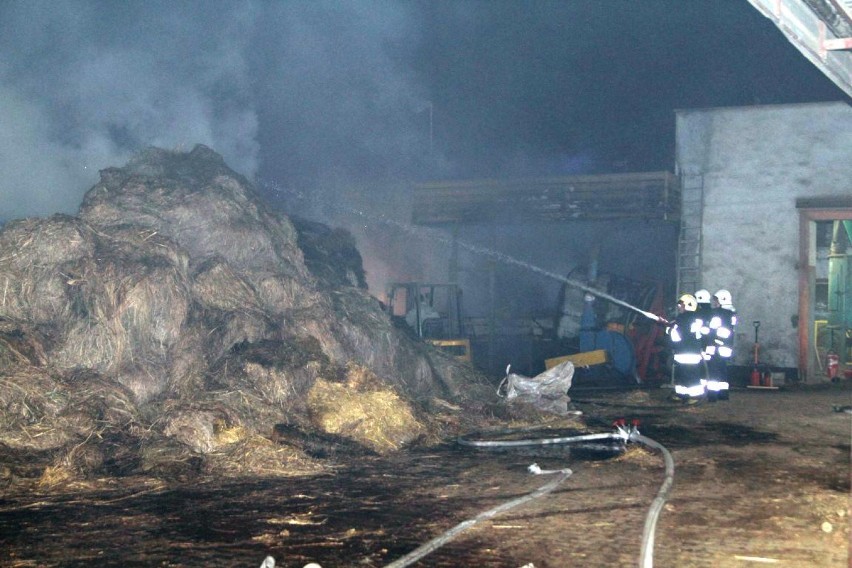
x: 755, y: 163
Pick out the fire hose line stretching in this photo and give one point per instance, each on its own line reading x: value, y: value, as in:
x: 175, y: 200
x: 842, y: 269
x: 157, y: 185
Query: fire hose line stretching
x: 440, y: 541
x: 623, y: 433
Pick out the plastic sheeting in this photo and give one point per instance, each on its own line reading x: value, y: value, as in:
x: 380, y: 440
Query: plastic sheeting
x: 547, y: 392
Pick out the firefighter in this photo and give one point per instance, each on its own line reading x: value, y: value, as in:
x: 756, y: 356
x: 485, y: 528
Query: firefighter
x: 723, y: 319
x: 703, y: 313
x: 705, y: 306
x: 686, y: 342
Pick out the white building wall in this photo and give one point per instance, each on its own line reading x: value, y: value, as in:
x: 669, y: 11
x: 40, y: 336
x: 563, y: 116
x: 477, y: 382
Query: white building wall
x: 756, y: 161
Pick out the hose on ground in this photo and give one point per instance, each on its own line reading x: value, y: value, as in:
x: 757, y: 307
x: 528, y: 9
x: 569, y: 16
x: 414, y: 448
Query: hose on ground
x: 646, y: 553
x: 622, y: 433
x: 438, y: 542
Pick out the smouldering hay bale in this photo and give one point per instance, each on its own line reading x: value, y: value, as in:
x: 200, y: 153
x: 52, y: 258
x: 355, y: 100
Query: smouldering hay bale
x: 45, y: 242
x: 252, y: 454
x: 191, y: 307
x: 361, y: 378
x: 30, y: 405
x: 142, y: 242
x: 365, y: 329
x: 196, y: 200
x: 34, y: 253
x: 100, y: 399
x: 322, y: 326
x: 129, y: 312
x: 376, y: 418
x: 217, y: 286
x: 331, y: 254
x: 279, y: 292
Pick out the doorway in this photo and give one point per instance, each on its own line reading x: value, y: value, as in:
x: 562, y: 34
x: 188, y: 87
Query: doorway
x: 825, y: 289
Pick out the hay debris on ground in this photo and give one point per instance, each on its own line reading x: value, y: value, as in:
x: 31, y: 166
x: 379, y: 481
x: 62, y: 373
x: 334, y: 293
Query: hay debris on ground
x: 362, y: 411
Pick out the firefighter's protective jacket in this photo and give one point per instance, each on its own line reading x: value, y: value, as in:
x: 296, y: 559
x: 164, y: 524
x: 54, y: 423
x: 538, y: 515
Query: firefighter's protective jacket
x: 722, y: 323
x: 686, y: 338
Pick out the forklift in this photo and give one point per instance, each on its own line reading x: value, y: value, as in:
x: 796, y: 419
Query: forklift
x: 433, y: 312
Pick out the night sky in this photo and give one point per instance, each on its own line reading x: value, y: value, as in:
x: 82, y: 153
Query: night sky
x: 305, y: 94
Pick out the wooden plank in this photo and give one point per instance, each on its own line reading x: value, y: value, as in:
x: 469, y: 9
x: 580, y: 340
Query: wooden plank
x: 585, y: 359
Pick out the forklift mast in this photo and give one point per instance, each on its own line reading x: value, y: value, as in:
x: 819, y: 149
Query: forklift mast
x: 432, y: 310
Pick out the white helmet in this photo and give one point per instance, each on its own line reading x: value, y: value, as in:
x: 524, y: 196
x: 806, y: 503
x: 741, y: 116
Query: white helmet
x: 702, y: 296
x: 724, y: 298
x: 688, y: 301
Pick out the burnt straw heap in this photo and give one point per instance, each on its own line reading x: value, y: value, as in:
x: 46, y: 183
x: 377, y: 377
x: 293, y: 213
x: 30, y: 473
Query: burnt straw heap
x: 168, y: 328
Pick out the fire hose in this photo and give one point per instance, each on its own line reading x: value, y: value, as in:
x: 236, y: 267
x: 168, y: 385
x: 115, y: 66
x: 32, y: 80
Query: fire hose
x: 623, y: 434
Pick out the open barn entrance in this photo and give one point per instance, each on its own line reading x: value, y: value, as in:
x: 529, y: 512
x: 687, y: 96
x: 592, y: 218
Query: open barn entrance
x: 825, y: 288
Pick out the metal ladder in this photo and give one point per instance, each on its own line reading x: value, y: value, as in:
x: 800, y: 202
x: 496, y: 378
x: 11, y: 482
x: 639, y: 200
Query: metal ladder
x: 690, y: 240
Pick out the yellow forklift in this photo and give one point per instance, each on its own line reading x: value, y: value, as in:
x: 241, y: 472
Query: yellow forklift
x: 433, y: 312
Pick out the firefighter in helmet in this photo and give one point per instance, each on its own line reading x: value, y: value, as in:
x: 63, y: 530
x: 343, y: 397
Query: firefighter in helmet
x: 705, y: 306
x: 719, y: 347
x: 687, y: 342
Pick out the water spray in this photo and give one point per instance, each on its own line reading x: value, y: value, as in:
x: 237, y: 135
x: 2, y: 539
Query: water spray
x: 482, y: 251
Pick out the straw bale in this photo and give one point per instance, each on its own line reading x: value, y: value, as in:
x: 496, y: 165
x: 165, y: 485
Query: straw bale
x: 280, y: 293
x: 129, y: 313
x: 368, y: 335
x: 196, y: 200
x: 33, y: 256
x: 36, y: 294
x: 144, y: 245
x: 44, y: 242
x: 377, y: 419
x: 217, y: 286
x: 31, y: 403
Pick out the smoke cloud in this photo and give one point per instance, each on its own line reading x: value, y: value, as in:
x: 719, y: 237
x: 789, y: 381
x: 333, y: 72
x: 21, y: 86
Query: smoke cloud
x: 327, y: 93
x: 311, y: 89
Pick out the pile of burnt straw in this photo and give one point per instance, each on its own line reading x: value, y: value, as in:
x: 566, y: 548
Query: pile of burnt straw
x: 169, y: 327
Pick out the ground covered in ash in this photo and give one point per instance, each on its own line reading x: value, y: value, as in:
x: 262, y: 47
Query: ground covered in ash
x: 760, y: 479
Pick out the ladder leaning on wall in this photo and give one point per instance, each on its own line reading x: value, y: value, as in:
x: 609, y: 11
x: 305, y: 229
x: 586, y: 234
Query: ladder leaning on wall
x: 689, y: 239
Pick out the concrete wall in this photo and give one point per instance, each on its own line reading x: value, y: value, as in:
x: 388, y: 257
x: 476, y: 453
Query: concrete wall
x: 755, y: 162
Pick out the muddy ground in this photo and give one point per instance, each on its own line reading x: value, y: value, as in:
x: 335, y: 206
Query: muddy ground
x: 763, y: 478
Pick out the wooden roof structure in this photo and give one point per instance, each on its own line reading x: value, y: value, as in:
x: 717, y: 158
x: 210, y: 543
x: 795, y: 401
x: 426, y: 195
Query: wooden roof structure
x: 642, y: 195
